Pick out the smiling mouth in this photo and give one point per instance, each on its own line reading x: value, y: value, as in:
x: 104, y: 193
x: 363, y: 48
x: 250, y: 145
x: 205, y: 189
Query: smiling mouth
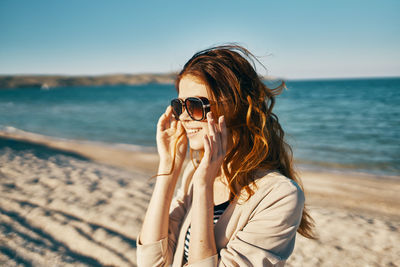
x: 193, y: 131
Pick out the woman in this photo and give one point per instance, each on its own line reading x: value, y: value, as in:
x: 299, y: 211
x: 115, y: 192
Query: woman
x: 239, y: 203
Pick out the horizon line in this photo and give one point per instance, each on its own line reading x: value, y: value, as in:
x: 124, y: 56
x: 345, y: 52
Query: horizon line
x: 271, y: 77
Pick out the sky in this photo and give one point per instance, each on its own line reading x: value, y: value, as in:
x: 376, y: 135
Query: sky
x: 293, y: 39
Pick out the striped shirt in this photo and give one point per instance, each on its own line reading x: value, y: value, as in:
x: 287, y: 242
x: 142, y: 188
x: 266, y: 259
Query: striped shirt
x: 218, y: 210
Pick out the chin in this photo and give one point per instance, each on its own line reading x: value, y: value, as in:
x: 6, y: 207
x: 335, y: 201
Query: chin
x: 196, y: 144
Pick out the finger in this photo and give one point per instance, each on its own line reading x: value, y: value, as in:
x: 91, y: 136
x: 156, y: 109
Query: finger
x: 207, y: 147
x: 215, y: 137
x: 219, y: 136
x: 180, y: 130
x: 165, y: 119
x: 161, y: 124
x: 179, y: 127
x: 169, y: 118
x: 224, y: 133
x: 211, y: 126
x: 173, y: 124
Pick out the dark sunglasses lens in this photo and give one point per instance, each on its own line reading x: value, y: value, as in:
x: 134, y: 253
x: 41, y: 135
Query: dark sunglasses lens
x: 195, y: 108
x: 176, y: 108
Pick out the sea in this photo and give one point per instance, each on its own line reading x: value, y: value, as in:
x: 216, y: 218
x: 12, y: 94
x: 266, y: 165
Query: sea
x: 344, y: 125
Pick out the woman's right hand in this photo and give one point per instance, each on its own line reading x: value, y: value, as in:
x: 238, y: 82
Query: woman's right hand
x: 168, y: 130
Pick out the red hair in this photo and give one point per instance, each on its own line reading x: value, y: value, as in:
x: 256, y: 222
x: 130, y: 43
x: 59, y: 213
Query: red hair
x: 256, y: 136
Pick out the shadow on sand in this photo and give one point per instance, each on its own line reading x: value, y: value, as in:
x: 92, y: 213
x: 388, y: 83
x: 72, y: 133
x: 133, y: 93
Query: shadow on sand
x: 41, y: 151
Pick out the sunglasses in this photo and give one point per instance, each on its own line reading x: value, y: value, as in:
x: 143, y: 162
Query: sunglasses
x: 196, y: 107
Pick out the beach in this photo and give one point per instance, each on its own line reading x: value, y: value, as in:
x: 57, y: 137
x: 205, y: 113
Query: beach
x: 84, y: 84
x: 72, y: 203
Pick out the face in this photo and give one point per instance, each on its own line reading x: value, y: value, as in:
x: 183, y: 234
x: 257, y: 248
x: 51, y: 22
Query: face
x: 190, y: 86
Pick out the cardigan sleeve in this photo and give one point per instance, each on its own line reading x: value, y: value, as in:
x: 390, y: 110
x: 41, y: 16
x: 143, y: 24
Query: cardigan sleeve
x: 268, y: 237
x: 161, y: 252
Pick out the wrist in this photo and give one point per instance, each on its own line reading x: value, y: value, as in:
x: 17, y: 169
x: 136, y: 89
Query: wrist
x: 167, y: 166
x: 203, y: 186
x: 203, y: 179
x: 166, y: 183
x: 166, y: 172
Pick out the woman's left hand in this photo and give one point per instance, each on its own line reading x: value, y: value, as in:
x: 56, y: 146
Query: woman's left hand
x: 215, y: 146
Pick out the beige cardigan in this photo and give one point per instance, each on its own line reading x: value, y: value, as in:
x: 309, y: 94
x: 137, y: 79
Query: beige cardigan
x: 257, y: 232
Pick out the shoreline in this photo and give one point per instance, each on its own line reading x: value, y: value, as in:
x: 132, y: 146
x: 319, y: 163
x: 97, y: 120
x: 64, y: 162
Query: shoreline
x: 107, y: 154
x: 350, y: 190
x: 86, y: 148
x: 48, y: 81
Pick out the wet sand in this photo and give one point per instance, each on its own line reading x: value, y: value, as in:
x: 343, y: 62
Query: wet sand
x: 69, y: 203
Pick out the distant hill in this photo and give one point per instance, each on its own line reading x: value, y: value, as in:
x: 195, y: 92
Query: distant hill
x: 49, y: 81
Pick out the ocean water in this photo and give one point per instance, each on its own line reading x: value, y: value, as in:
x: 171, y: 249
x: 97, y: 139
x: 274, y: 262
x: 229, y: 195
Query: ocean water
x: 345, y: 125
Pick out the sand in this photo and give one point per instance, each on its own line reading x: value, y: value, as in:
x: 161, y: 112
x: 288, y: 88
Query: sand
x: 81, y: 204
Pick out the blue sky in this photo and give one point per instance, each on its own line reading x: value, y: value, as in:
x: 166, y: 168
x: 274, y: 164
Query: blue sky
x: 294, y: 39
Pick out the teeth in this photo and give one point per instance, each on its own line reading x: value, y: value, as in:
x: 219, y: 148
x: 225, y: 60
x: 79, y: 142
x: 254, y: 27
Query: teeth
x: 192, y: 131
